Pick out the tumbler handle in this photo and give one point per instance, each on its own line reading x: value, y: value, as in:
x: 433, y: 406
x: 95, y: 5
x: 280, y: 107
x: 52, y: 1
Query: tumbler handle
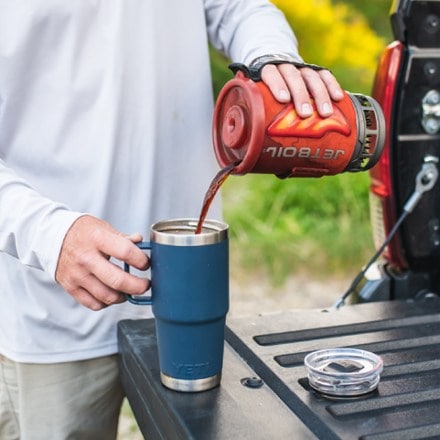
x: 138, y: 299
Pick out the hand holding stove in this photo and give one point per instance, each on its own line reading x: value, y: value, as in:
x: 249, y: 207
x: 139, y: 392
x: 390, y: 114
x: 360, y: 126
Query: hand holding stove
x: 289, y: 81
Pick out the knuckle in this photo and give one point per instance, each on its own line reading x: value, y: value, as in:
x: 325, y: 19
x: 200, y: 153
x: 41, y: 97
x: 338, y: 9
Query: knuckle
x: 289, y: 70
x: 301, y: 96
x: 109, y: 299
x: 115, y: 281
x: 87, y: 300
x: 126, y: 250
x: 96, y: 234
x: 84, y: 259
x: 270, y: 74
x: 308, y: 73
x: 269, y: 68
x: 326, y: 74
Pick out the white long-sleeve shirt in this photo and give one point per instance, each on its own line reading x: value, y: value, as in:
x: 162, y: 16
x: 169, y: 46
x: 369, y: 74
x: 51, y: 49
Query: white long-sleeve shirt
x: 105, y: 108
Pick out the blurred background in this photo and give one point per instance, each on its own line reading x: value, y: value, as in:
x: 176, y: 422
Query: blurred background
x: 300, y: 242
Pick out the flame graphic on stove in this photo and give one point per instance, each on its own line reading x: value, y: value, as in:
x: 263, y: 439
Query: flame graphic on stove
x: 288, y: 123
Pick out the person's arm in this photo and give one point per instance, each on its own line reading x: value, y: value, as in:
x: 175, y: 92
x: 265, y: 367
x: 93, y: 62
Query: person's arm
x: 73, y: 248
x: 32, y: 227
x: 246, y: 31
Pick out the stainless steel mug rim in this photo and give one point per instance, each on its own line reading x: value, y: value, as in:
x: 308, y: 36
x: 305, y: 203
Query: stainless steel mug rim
x: 181, y: 232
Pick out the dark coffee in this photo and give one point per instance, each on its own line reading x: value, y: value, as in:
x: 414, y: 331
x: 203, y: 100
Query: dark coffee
x: 215, y: 185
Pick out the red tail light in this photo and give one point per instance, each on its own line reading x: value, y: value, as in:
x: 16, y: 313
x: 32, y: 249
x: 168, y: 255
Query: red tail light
x: 382, y: 200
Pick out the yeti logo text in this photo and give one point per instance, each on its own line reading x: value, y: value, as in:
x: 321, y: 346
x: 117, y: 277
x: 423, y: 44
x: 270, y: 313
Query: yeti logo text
x: 304, y: 152
x: 192, y: 371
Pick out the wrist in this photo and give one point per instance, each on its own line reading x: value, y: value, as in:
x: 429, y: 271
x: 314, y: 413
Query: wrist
x: 255, y: 67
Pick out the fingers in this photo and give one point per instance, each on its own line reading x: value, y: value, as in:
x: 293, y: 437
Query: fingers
x: 134, y: 238
x: 84, y: 297
x: 287, y: 82
x: 84, y: 268
x: 120, y: 247
x: 91, y: 292
x: 333, y: 87
x: 114, y: 278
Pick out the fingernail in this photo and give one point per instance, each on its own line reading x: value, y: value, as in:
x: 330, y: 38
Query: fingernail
x: 306, y: 109
x: 326, y: 109
x: 339, y: 94
x: 283, y: 95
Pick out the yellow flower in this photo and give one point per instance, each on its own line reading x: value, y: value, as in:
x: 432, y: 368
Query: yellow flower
x: 337, y: 37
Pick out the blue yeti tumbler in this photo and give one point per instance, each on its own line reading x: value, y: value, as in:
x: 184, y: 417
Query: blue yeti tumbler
x: 190, y: 300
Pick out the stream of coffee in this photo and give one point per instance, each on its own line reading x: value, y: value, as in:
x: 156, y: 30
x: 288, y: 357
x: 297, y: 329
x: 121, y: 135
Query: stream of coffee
x: 215, y: 185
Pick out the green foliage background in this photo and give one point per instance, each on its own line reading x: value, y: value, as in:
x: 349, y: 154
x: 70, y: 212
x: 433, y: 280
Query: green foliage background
x: 279, y: 227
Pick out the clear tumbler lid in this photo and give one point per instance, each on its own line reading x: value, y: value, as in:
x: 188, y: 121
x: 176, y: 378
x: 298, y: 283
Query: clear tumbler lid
x: 343, y: 372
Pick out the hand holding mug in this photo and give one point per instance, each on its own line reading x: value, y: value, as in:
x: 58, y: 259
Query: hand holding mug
x: 84, y: 269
